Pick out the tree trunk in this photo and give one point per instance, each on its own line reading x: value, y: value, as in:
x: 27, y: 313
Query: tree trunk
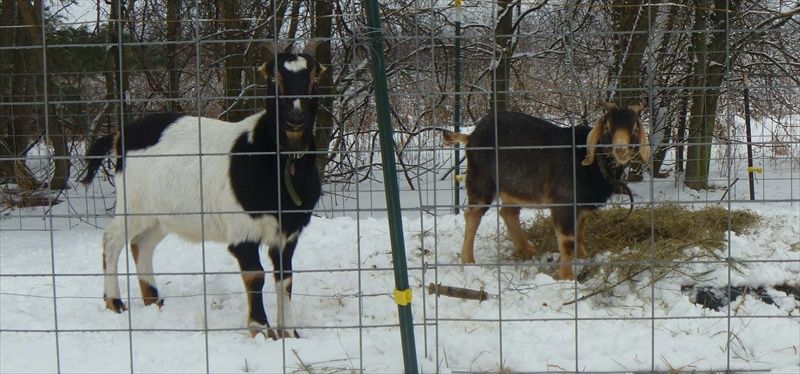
x: 323, y: 10
x: 631, y: 21
x: 708, y: 50
x: 663, y: 127
x: 31, y: 13
x: 294, y: 19
x: 173, y: 70
x: 18, y: 124
x: 502, y: 72
x: 680, y: 135
x: 61, y: 161
x: 117, y: 80
x: 7, y: 71
x: 234, y: 60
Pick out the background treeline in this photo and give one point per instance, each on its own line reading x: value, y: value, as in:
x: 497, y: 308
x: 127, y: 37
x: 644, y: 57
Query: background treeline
x: 63, y: 81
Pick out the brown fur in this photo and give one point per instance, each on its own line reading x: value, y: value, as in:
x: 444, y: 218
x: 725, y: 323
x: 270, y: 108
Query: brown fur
x: 135, y: 252
x: 149, y: 294
x: 451, y: 138
x: 294, y: 136
x: 253, y: 281
x: 532, y: 166
x: 115, y: 305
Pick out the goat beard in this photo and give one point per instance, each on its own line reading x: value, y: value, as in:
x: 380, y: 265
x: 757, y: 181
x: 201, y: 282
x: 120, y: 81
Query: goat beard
x: 295, y: 141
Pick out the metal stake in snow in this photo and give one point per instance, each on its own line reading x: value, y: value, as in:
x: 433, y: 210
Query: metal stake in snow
x: 402, y: 291
x: 457, y: 107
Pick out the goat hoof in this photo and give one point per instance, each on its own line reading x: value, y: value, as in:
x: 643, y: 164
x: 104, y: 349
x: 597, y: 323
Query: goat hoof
x: 115, y: 305
x: 158, y: 302
x: 526, y: 254
x: 280, y: 333
x: 259, y: 328
x: 565, y: 275
x: 583, y: 275
x: 467, y: 260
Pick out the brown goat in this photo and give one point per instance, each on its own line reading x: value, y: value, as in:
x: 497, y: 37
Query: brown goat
x: 545, y: 165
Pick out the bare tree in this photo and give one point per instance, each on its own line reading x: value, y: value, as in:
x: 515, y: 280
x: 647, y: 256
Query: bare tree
x: 173, y: 36
x: 503, y: 33
x: 25, y: 124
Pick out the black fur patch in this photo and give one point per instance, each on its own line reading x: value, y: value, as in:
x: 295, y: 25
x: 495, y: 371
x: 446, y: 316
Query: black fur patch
x: 116, y: 305
x: 294, y: 85
x: 143, y: 133
x: 152, y: 295
x: 98, y: 149
x: 246, y: 254
x: 257, y: 179
x: 536, y: 161
x: 282, y: 262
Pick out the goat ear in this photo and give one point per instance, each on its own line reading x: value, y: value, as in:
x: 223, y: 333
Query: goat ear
x: 591, y: 141
x: 264, y: 70
x: 606, y: 105
x: 636, y: 109
x: 644, y: 144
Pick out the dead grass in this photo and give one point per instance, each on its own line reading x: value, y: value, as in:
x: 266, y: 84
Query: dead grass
x: 669, y: 225
x: 660, y: 233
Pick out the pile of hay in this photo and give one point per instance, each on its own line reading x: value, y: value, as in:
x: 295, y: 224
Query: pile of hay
x: 650, y: 235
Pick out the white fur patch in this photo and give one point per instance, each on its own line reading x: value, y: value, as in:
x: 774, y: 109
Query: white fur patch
x: 284, y: 316
x: 296, y: 65
x: 177, y: 170
x: 296, y: 104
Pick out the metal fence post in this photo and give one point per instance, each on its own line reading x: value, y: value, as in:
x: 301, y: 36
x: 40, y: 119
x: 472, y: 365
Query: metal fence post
x: 457, y: 106
x: 402, y: 291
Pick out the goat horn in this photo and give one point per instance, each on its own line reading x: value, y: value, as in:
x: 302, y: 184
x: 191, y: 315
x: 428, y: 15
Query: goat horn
x: 606, y: 105
x: 312, y: 46
x: 270, y: 46
x: 273, y: 48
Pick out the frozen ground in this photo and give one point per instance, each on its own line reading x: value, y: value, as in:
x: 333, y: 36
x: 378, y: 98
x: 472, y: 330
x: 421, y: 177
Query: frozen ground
x: 52, y: 316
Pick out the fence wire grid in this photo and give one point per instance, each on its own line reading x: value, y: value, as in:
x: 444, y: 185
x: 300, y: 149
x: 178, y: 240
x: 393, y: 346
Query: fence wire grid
x: 702, y: 276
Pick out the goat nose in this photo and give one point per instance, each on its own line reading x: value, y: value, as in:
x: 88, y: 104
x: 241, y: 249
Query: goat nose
x: 621, y: 154
x: 296, y: 116
x: 296, y: 112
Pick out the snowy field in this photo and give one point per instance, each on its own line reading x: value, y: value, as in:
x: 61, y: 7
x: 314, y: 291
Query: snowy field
x: 53, y: 318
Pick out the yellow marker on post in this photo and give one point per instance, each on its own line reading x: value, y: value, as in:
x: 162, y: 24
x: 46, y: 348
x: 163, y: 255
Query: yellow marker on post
x: 755, y: 169
x: 403, y: 297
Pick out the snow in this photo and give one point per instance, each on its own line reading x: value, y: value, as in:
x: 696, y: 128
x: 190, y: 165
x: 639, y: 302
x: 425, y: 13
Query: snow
x: 50, y: 279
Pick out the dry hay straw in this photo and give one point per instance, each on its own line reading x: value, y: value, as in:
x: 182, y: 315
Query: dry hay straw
x: 651, y: 238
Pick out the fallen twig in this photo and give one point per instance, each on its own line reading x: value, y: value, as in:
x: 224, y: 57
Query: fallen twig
x: 461, y: 293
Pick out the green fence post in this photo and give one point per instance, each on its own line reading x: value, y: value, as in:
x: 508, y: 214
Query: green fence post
x: 402, y: 291
x: 457, y: 107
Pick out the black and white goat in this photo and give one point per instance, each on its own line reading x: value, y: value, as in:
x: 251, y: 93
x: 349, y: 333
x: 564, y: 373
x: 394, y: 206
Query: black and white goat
x: 535, y: 170
x: 255, y: 183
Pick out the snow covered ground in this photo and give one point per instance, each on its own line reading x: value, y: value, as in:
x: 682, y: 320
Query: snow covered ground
x: 52, y: 317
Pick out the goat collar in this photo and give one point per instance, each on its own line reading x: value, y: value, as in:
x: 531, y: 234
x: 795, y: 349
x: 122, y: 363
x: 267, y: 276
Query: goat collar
x: 618, y: 185
x: 288, y: 172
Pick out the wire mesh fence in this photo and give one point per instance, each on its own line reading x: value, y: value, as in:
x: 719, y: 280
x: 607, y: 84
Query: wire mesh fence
x: 701, y: 275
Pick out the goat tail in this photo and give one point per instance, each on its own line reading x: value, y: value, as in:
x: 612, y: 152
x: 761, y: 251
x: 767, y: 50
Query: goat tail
x: 100, y: 147
x: 452, y: 138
